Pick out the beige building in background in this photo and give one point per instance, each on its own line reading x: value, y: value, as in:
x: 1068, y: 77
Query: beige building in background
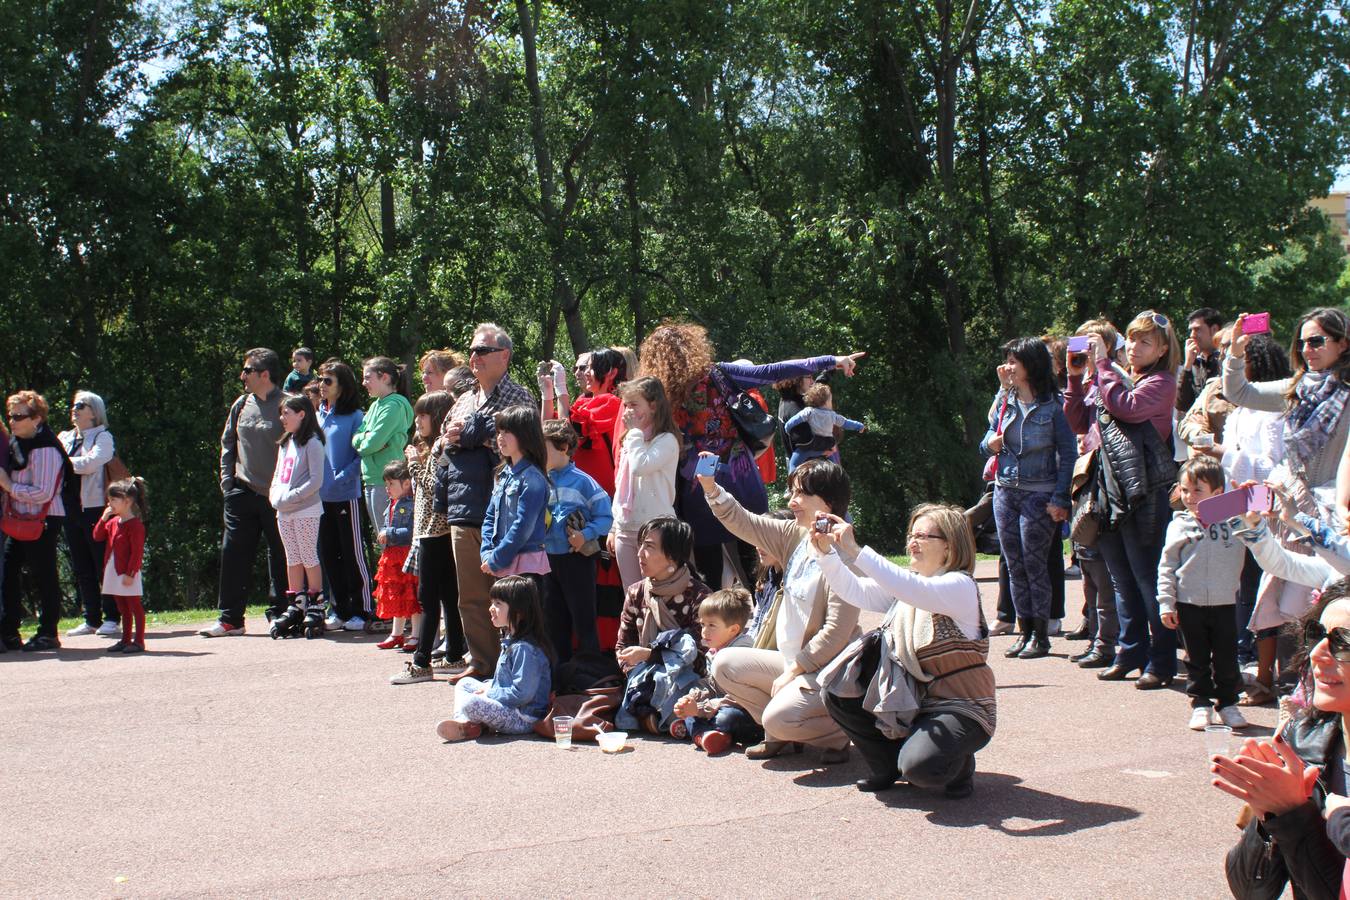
x: 1334, y: 206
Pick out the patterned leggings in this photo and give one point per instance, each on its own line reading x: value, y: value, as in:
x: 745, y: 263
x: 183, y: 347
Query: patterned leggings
x: 1025, y: 531
x: 471, y: 706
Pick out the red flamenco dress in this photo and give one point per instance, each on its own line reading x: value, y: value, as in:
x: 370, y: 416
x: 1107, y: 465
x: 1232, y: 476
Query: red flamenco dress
x: 396, y: 590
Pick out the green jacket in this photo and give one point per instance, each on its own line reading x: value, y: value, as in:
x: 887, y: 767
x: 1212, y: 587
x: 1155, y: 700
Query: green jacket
x: 382, y: 436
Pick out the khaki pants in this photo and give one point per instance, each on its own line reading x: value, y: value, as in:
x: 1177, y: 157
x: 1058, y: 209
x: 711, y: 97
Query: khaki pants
x: 474, y: 584
x: 795, y: 713
x: 625, y: 554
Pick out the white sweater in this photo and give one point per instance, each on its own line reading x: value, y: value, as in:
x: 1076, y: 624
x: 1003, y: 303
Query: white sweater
x: 951, y: 594
x: 652, y: 465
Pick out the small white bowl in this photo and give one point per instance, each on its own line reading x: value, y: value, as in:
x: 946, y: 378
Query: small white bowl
x: 612, y: 741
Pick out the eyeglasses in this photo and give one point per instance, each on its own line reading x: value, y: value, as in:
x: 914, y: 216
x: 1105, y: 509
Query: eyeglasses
x: 1316, y: 342
x: 19, y: 417
x: 918, y: 537
x: 327, y: 379
x: 485, y: 351
x: 79, y: 404
x: 1338, y: 639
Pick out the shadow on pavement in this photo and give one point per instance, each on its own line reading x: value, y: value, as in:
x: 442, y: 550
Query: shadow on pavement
x: 1002, y: 804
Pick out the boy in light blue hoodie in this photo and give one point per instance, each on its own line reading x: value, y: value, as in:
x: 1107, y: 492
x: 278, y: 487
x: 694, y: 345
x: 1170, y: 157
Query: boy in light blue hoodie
x: 580, y: 515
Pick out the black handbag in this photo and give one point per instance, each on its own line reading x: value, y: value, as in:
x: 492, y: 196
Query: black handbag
x: 754, y: 423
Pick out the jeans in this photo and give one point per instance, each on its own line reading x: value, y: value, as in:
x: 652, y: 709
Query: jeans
x: 248, y: 517
x: 1026, y: 532
x: 569, y: 603
x: 1132, y: 553
x: 1209, y: 635
x: 342, y: 547
x: 732, y: 721
x: 1099, y: 604
x: 1054, y: 563
x: 86, y: 563
x: 438, y: 593
x: 39, y: 557
x: 939, y: 750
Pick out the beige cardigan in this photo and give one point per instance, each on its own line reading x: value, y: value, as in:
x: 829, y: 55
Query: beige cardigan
x: 833, y: 624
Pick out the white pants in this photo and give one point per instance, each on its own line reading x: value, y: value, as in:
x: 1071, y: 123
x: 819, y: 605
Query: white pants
x: 300, y: 537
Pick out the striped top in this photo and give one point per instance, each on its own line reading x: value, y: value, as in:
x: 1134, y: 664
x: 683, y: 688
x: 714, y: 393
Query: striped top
x: 35, y: 484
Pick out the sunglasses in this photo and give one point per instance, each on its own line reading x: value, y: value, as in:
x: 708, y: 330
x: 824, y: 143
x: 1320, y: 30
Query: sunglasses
x: 327, y: 379
x: 80, y: 404
x: 250, y: 370
x: 1158, y: 319
x: 1316, y: 342
x: 19, y: 417
x: 485, y: 351
x: 1338, y: 639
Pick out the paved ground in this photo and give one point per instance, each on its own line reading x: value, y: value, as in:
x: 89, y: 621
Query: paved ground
x: 248, y: 767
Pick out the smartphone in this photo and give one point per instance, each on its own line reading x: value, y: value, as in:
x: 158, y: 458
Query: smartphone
x: 1077, y: 344
x: 1256, y: 323
x: 707, y: 465
x: 1233, y: 503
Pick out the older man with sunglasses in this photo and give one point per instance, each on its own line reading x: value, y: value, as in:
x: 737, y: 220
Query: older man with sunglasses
x: 248, y: 456
x: 467, y: 455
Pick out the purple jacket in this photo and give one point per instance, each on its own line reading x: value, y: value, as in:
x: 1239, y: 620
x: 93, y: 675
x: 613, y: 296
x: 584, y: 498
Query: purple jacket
x: 1150, y: 400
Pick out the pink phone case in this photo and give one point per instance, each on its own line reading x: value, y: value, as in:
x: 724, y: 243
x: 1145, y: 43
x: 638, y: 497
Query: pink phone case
x: 1256, y: 323
x: 1077, y: 344
x: 1223, y: 507
x: 1258, y: 498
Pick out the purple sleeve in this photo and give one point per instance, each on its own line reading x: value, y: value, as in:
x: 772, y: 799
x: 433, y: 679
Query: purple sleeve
x: 749, y: 376
x: 1151, y: 398
x: 1075, y: 407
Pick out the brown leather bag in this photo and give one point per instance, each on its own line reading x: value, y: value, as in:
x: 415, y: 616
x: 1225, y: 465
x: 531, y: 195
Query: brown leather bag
x: 592, y: 711
x: 114, y: 471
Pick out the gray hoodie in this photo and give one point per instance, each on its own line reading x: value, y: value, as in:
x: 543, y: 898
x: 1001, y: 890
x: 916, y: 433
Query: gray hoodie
x: 1200, y: 566
x: 295, y: 493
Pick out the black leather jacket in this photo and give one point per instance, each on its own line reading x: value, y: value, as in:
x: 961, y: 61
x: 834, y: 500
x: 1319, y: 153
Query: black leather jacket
x: 1293, y: 848
x: 1135, y: 463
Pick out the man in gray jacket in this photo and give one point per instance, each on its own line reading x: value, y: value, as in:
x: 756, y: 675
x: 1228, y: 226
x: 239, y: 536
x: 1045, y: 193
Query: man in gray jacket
x: 248, y: 456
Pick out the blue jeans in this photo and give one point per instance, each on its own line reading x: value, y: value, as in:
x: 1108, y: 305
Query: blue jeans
x: 1025, y: 533
x: 1132, y: 554
x: 732, y: 721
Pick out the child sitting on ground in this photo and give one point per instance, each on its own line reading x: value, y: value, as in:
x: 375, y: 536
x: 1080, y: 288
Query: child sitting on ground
x: 1197, y: 593
x: 820, y: 415
x: 396, y: 590
x: 517, y: 696
x: 705, y: 713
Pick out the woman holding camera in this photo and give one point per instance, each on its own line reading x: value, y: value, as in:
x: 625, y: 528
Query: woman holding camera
x: 805, y: 628
x: 1035, y: 450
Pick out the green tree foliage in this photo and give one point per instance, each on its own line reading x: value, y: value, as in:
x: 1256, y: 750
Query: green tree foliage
x: 920, y: 180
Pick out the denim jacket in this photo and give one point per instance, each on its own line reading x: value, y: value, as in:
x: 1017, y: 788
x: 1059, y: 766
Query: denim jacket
x: 523, y: 679
x: 515, y: 520
x: 1038, y: 452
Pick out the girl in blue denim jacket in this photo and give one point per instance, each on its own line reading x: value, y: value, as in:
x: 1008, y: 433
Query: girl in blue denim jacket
x: 516, y: 520
x: 518, y: 694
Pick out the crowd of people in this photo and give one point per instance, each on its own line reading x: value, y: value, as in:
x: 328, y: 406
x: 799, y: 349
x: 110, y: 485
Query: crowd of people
x: 614, y: 555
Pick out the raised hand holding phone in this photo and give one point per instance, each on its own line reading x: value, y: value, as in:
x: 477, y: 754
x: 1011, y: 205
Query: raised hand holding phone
x: 705, y: 471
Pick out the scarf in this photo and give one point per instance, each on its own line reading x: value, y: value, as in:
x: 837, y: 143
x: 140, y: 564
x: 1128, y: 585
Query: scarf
x: 1319, y: 400
x: 20, y: 449
x: 658, y: 617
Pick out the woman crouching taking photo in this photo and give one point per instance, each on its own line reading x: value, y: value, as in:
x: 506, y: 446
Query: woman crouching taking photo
x: 915, y: 695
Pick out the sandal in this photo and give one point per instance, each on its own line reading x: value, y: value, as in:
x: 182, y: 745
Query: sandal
x: 1257, y: 695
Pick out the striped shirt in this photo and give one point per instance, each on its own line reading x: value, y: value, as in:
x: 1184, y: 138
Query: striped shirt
x: 35, y: 484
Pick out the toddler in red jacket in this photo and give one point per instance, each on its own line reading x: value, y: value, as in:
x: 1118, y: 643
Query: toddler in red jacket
x: 124, y: 532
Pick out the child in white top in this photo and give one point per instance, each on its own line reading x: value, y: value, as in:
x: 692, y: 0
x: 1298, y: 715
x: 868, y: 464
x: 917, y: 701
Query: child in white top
x: 644, y: 486
x: 295, y: 496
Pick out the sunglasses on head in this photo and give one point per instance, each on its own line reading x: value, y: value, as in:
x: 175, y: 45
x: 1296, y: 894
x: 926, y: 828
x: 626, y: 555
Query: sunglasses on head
x: 485, y: 351
x: 1316, y: 342
x: 1338, y: 639
x: 1158, y: 319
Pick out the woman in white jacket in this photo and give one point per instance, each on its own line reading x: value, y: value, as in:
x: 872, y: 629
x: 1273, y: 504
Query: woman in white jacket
x: 89, y: 444
x: 294, y: 494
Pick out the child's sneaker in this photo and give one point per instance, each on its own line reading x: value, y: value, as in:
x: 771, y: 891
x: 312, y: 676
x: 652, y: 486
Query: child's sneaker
x: 355, y: 623
x: 1232, y: 717
x: 715, y: 742
x: 333, y: 623
x: 678, y: 730
x: 1200, y: 717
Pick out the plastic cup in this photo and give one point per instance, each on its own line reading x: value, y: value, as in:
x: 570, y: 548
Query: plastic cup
x: 562, y: 732
x: 1218, y: 741
x: 1203, y: 440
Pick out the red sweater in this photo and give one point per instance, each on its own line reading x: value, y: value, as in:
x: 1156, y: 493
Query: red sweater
x: 125, y: 543
x: 595, y: 420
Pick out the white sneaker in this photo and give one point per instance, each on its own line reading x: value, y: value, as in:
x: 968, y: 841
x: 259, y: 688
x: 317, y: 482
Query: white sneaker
x: 81, y: 630
x: 1200, y: 717
x: 1054, y: 627
x: 110, y: 629
x: 1001, y: 627
x: 333, y: 623
x: 220, y: 629
x: 1232, y: 717
x: 355, y: 623
x: 412, y: 674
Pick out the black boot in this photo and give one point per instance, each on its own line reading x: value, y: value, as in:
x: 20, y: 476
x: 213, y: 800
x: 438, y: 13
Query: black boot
x: 1039, y: 645
x: 1023, y: 639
